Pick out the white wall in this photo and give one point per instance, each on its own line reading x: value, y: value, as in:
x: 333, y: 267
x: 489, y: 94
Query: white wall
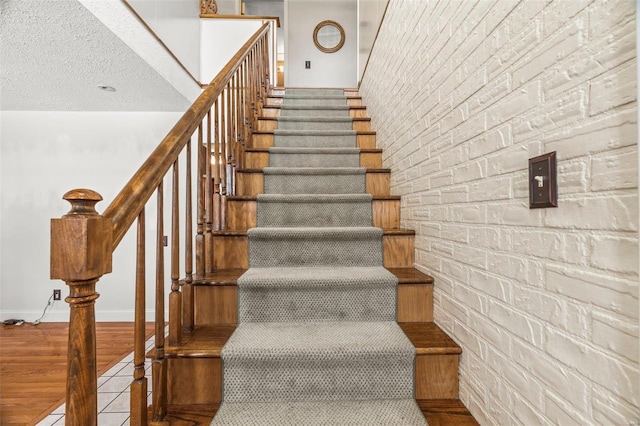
x: 370, y: 13
x: 543, y: 302
x: 270, y: 8
x: 228, y: 7
x: 221, y: 39
x: 42, y: 156
x: 177, y: 23
x: 337, y: 69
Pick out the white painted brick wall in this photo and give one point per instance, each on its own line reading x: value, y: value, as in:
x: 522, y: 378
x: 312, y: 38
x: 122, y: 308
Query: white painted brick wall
x: 543, y: 302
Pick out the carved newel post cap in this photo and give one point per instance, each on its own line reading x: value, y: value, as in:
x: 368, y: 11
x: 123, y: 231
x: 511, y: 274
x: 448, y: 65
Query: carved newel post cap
x: 82, y: 240
x: 83, y: 201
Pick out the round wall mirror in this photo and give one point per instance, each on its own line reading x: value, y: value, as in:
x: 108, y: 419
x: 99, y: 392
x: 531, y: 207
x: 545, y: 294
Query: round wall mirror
x: 328, y: 36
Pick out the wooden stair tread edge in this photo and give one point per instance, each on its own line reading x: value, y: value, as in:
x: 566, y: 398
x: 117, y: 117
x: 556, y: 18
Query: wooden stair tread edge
x: 362, y: 150
x: 429, y: 339
x: 276, y: 118
x: 282, y: 96
x: 202, y: 342
x: 369, y: 170
x: 190, y: 415
x: 267, y: 106
x: 411, y: 276
x: 230, y: 277
x: 243, y: 233
x: 207, y: 341
x: 446, y: 412
x: 437, y: 412
x: 254, y: 198
x: 270, y: 132
x: 221, y: 277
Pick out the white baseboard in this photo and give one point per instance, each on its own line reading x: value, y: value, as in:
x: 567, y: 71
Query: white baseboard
x: 63, y: 316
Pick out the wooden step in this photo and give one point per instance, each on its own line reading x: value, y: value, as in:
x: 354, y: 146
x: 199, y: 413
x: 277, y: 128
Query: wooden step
x: 196, y: 366
x: 231, y: 249
x: 264, y: 139
x: 273, y: 111
x: 437, y: 359
x: 276, y: 100
x: 437, y: 412
x: 240, y: 212
x: 257, y: 158
x: 216, y: 297
x: 250, y: 182
x: 279, y: 92
x: 271, y: 123
x: 446, y: 412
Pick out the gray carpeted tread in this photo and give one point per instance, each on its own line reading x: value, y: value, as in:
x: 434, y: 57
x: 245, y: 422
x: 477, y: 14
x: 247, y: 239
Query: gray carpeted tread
x: 317, y: 294
x: 304, y: 101
x: 315, y: 138
x: 315, y: 107
x: 313, y: 92
x: 312, y: 180
x: 399, y: 412
x: 315, y: 123
x: 314, y: 112
x: 314, y: 157
x: 319, y: 276
x: 314, y: 361
x: 291, y: 247
x: 321, y: 210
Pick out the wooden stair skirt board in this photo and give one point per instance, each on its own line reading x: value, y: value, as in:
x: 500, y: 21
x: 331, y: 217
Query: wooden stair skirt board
x: 231, y: 249
x: 360, y: 124
x: 196, y: 366
x: 264, y: 139
x: 240, y: 212
x: 216, y: 297
x: 273, y: 111
x: 257, y: 158
x: 250, y: 182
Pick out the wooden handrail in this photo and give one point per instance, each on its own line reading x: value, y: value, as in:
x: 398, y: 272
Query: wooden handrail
x: 220, y: 124
x: 129, y: 202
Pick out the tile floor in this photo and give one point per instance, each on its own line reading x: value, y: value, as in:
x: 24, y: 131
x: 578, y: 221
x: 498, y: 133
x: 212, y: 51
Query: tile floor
x: 113, y: 394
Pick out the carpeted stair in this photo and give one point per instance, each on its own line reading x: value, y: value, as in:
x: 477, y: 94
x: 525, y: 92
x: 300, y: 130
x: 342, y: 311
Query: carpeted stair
x: 317, y: 342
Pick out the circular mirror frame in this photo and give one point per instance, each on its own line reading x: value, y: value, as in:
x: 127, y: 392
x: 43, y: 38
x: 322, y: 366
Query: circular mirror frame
x: 328, y: 49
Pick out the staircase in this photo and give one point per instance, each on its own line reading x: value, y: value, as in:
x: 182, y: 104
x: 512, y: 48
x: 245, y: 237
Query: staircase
x: 313, y: 313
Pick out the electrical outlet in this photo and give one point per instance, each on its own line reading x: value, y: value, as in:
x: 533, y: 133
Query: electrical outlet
x: 57, y: 294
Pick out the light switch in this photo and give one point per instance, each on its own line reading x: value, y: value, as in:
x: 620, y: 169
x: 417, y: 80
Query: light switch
x: 307, y: 64
x: 543, y: 182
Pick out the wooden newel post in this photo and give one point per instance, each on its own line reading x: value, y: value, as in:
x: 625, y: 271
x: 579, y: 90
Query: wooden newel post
x: 81, y: 252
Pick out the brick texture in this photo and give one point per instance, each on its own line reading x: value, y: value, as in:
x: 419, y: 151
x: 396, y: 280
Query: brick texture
x: 544, y: 302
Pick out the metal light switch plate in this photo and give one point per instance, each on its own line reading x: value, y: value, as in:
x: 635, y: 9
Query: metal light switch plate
x: 543, y: 181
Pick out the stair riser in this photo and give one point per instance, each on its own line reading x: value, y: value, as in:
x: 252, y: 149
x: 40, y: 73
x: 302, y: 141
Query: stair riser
x: 252, y: 183
x: 315, y: 379
x: 230, y: 251
x: 265, y: 140
x: 194, y: 381
x: 353, y: 112
x: 217, y: 305
x: 198, y: 381
x: 241, y: 214
x: 258, y: 160
x: 436, y: 377
x: 271, y: 124
x: 323, y: 303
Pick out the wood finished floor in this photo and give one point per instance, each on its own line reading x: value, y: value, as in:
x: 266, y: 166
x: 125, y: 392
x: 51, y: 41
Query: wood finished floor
x: 33, y: 361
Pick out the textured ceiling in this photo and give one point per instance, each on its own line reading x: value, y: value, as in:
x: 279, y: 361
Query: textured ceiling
x: 55, y: 53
